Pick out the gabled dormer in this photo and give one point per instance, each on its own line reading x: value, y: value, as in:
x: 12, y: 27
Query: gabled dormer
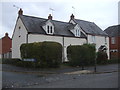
x: 48, y: 26
x: 76, y: 31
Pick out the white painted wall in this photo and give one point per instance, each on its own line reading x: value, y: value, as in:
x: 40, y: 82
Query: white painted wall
x: 16, y: 40
x: 40, y: 38
x: 72, y: 41
x: 100, y: 40
x: 67, y: 41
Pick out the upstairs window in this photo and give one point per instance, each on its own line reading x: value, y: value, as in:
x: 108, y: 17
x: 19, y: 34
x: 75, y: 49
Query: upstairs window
x: 93, y: 39
x: 49, y: 29
x: 113, y: 40
x: 77, y: 32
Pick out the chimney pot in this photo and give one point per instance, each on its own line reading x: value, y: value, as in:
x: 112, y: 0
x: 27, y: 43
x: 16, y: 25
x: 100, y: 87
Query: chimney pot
x: 72, y: 16
x: 6, y: 34
x: 50, y: 17
x: 20, y: 12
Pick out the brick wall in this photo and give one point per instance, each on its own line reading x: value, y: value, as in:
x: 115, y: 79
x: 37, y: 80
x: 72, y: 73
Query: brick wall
x: 116, y: 46
x: 5, y: 44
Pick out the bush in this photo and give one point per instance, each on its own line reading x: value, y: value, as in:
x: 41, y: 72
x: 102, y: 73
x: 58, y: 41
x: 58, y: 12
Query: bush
x: 47, y: 54
x: 102, y: 57
x: 52, y: 53
x: 113, y: 61
x: 81, y: 55
x: 10, y: 61
x: 26, y: 64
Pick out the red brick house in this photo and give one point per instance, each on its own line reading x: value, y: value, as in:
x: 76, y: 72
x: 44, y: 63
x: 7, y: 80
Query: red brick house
x: 5, y: 46
x: 114, y: 41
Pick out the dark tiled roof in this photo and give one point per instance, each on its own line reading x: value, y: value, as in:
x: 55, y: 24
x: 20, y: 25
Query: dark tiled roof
x: 34, y: 25
x: 113, y: 30
x: 90, y: 27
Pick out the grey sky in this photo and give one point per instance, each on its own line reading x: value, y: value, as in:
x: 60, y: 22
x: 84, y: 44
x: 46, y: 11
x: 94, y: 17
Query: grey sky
x: 102, y: 12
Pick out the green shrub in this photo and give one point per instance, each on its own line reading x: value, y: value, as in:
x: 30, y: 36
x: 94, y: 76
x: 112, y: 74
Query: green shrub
x: 79, y: 55
x: 47, y: 54
x: 102, y: 57
x: 113, y: 61
x: 10, y: 61
x: 26, y: 64
x: 52, y: 53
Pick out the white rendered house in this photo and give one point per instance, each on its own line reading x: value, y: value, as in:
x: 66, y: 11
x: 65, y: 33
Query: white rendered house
x: 31, y: 29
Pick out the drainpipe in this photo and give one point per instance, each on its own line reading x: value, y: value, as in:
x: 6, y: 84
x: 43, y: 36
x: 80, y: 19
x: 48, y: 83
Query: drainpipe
x: 63, y: 54
x: 27, y: 38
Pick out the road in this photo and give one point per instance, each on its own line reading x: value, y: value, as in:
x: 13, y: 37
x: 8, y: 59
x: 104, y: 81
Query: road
x: 106, y: 80
x: 36, y: 79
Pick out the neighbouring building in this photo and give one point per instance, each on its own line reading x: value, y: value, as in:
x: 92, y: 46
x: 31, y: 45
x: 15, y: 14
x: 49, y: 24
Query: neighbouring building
x: 5, y: 47
x: 29, y: 29
x: 114, y: 43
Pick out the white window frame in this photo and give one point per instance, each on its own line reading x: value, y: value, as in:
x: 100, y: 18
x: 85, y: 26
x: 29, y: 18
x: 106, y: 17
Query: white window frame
x: 77, y: 33
x: 49, y: 29
x: 93, y: 39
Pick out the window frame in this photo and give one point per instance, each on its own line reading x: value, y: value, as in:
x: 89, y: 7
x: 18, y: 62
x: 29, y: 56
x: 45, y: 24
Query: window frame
x: 113, y: 41
x: 49, y: 29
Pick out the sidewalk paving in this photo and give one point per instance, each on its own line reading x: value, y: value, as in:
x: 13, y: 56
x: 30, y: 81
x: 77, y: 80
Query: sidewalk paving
x: 100, y: 69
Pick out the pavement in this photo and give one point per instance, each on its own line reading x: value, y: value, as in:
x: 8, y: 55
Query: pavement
x: 100, y: 69
x: 17, y: 77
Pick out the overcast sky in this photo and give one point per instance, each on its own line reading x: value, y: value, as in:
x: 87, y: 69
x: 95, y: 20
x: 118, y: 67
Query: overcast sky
x: 102, y: 12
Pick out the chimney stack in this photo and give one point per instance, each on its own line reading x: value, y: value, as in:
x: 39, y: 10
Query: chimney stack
x: 50, y: 17
x: 6, y: 34
x: 72, y: 16
x: 20, y: 12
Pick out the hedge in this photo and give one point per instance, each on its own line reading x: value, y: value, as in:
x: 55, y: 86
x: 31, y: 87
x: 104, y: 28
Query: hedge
x: 10, y: 61
x: 79, y: 55
x: 113, y: 61
x: 47, y: 54
x: 102, y: 57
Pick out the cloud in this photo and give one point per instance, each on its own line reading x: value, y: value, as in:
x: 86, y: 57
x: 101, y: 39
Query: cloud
x: 102, y: 12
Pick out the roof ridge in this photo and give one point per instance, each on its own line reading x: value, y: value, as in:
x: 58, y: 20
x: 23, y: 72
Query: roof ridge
x: 33, y: 17
x: 84, y: 20
x: 44, y: 19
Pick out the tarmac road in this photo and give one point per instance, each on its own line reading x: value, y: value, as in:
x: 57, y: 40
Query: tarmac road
x: 20, y: 79
x: 106, y: 80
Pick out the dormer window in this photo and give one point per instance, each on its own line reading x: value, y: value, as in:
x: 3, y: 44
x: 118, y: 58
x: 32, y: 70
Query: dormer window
x: 49, y: 29
x: 77, y: 33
